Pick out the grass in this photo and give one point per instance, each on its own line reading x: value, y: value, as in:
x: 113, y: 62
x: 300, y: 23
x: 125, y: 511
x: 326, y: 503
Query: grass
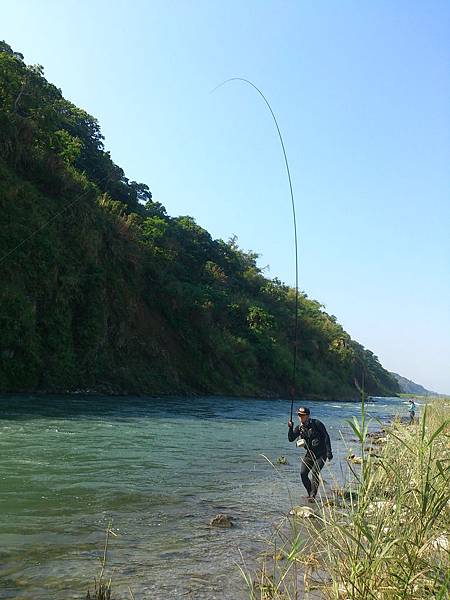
x: 388, y: 539
x: 102, y: 587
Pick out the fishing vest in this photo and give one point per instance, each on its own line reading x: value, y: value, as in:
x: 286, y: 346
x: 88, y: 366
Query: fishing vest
x: 314, y: 439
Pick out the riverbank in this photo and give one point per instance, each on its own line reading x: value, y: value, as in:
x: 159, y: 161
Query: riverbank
x: 385, y: 536
x: 114, y: 392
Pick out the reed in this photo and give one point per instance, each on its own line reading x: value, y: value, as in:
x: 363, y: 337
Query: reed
x: 387, y: 539
x: 102, y: 588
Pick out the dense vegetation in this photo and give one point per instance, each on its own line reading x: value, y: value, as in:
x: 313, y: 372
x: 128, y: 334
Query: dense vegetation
x: 101, y: 289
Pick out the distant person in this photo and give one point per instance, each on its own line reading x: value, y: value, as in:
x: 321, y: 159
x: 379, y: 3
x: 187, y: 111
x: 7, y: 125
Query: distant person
x: 317, y: 445
x: 412, y: 411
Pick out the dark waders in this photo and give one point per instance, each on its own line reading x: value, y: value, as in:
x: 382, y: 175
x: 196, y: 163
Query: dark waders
x: 314, y: 465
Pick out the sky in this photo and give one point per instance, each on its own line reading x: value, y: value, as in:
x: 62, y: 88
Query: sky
x: 361, y: 91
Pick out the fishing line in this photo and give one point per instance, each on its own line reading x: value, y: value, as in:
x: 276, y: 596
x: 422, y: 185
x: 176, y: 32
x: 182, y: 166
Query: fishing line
x: 78, y: 198
x: 294, y: 365
x: 56, y: 215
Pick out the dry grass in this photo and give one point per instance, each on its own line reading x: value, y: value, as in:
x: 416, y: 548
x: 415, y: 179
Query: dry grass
x: 389, y: 540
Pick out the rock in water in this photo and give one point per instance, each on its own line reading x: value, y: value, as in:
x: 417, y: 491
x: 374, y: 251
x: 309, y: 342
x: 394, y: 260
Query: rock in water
x: 441, y: 543
x: 222, y: 520
x: 304, y: 512
x: 356, y: 460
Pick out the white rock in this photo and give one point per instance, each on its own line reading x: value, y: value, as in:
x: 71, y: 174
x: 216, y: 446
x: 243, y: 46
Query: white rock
x: 304, y: 512
x: 440, y: 543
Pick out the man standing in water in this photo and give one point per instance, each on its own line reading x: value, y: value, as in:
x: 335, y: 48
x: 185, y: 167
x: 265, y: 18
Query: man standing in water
x: 412, y: 411
x: 317, y: 445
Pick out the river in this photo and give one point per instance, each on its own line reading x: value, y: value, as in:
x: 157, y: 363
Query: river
x: 158, y: 469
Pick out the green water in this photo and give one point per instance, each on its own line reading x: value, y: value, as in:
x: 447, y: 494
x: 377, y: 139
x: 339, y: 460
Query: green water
x: 159, y: 469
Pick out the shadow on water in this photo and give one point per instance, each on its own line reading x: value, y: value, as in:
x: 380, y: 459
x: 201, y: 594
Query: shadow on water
x: 70, y: 406
x: 122, y: 408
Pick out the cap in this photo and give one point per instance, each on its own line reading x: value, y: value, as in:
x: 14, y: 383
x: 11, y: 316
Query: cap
x: 303, y: 411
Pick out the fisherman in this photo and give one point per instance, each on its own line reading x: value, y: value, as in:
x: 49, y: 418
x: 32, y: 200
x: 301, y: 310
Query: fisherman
x: 317, y: 445
x: 412, y: 411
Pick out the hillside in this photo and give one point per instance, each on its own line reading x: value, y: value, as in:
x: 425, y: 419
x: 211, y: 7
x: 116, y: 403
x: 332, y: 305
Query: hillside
x: 409, y: 387
x: 102, y: 290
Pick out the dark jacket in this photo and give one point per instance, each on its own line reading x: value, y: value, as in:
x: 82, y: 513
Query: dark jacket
x: 317, y: 440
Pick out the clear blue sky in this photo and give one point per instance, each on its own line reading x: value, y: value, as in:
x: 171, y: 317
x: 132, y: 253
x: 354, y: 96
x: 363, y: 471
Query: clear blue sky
x: 362, y: 95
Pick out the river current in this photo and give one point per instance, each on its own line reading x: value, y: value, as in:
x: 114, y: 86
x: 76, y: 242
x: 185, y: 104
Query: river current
x: 158, y: 469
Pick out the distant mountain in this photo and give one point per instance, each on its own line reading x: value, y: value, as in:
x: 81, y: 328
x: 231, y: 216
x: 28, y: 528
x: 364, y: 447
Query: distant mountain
x: 409, y: 387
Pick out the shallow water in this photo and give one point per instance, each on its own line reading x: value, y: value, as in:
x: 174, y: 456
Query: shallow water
x: 159, y: 469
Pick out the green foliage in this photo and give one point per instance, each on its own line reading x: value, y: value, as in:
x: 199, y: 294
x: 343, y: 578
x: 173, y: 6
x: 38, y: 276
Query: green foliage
x: 394, y: 541
x: 384, y: 536
x: 102, y: 289
x: 259, y: 320
x: 67, y: 147
x: 19, y: 349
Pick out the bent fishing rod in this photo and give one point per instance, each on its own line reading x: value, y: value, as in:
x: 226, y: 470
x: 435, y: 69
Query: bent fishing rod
x: 294, y: 365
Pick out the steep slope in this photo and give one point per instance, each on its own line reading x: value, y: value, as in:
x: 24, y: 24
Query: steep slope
x: 409, y: 387
x: 101, y: 289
